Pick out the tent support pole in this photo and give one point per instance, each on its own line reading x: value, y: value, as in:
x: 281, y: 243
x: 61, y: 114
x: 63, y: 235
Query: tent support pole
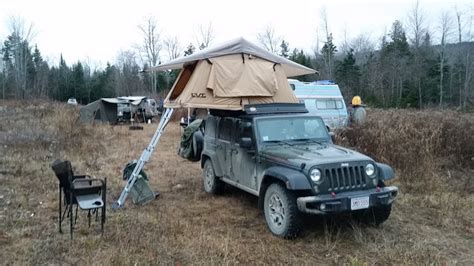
x: 165, y: 118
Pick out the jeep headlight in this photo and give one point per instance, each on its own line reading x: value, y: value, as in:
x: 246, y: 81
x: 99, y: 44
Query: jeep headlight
x: 315, y: 175
x: 370, y: 170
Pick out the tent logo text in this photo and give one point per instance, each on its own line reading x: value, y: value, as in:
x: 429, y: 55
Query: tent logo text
x: 198, y: 95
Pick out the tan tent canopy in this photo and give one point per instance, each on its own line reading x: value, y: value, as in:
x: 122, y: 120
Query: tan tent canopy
x: 230, y: 76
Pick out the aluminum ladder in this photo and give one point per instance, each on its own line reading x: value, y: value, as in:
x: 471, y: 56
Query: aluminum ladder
x: 165, y: 118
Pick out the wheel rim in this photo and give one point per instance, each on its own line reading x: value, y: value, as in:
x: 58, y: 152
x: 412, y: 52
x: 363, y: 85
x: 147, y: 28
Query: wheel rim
x: 276, y: 211
x: 208, y: 178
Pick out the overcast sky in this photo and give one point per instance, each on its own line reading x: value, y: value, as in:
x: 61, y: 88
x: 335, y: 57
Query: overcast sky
x: 96, y: 30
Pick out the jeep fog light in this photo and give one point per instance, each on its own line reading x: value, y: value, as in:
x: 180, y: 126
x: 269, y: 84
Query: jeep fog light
x: 370, y: 170
x: 315, y: 175
x: 322, y: 206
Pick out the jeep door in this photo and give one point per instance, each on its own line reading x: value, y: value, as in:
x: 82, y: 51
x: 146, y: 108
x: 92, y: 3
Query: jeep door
x: 243, y: 165
x: 224, y: 138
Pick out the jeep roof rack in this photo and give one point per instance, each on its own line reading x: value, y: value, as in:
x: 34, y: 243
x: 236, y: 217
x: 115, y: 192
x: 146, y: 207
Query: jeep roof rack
x: 260, y: 109
x: 273, y: 108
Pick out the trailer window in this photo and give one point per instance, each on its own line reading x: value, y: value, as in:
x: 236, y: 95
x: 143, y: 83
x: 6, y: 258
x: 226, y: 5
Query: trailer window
x: 328, y: 104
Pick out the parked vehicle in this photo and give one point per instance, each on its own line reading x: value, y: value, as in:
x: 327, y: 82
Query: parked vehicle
x: 322, y: 98
x: 285, y: 157
x: 72, y: 101
x: 139, y: 108
x: 148, y: 108
x: 124, y: 112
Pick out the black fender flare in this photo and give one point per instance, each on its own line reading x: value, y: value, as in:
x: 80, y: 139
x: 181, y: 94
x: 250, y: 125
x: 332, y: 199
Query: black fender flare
x: 385, y: 171
x: 211, y: 156
x: 293, y: 179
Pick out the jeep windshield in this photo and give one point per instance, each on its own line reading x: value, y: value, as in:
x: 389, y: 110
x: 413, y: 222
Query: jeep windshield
x: 291, y: 129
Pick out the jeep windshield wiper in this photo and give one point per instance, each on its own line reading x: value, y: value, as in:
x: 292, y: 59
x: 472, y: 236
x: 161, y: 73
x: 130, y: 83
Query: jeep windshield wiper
x: 279, y: 142
x: 310, y: 140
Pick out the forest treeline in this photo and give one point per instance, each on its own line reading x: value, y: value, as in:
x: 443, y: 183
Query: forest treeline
x: 405, y: 69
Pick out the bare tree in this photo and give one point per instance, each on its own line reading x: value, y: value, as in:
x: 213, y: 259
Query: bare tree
x: 324, y: 21
x: 329, y: 49
x: 205, y: 35
x: 469, y: 62
x: 151, y: 47
x: 345, y: 46
x: 416, y: 24
x: 445, y: 24
x: 269, y: 39
x: 19, y: 51
x: 362, y: 45
x: 173, y: 47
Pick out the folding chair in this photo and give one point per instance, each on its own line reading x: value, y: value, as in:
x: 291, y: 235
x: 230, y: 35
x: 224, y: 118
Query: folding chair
x: 81, y: 190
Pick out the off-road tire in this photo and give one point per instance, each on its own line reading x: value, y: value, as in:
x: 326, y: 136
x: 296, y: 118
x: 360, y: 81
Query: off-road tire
x: 373, y: 216
x: 211, y: 183
x: 197, y: 143
x: 281, y: 211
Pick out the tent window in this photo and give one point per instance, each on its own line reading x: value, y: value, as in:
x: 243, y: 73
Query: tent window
x: 182, y: 81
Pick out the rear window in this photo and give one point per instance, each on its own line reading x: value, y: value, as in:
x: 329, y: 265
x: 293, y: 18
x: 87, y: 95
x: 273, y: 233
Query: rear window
x: 225, y: 129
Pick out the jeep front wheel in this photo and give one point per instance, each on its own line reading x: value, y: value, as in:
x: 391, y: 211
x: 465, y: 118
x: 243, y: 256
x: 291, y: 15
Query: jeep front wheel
x: 281, y: 211
x: 212, y: 183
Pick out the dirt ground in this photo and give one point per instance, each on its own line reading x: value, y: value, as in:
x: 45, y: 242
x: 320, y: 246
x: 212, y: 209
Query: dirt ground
x: 185, y: 225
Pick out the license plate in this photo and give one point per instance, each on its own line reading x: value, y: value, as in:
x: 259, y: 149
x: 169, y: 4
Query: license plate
x: 360, y: 203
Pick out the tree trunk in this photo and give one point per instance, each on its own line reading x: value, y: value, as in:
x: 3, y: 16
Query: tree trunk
x: 420, y: 94
x: 467, y: 79
x: 441, y: 77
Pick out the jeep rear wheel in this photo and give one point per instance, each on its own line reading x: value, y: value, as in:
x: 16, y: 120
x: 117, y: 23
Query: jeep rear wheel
x: 212, y: 183
x: 281, y: 211
x: 373, y: 216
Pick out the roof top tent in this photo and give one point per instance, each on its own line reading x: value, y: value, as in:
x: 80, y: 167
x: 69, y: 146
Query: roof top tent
x: 228, y: 76
x: 322, y: 98
x: 231, y: 75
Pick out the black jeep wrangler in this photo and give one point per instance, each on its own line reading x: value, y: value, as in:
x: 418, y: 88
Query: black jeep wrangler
x: 286, y: 157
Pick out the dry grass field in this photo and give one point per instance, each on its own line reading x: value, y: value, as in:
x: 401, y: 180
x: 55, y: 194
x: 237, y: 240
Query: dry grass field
x: 432, y: 221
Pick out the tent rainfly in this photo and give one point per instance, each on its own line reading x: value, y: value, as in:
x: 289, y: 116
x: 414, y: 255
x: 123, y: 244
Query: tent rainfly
x: 231, y: 75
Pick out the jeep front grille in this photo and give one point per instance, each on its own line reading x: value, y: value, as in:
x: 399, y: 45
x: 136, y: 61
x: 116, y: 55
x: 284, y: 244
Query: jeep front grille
x: 345, y: 178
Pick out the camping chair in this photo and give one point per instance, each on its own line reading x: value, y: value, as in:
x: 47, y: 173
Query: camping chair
x: 81, y: 190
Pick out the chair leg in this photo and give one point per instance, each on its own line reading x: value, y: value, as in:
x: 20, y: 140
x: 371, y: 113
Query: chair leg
x: 102, y: 219
x: 89, y: 217
x: 71, y: 227
x: 75, y: 220
x: 60, y: 211
x: 64, y: 213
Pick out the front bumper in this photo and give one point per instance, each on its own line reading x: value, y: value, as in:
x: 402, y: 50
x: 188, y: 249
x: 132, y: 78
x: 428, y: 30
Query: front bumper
x: 342, y: 202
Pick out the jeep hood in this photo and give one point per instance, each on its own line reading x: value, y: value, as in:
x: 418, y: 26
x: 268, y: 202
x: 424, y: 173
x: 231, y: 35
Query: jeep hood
x: 311, y: 154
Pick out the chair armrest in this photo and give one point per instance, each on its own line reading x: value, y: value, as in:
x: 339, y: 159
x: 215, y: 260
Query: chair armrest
x: 82, y: 180
x: 82, y: 176
x: 84, y: 186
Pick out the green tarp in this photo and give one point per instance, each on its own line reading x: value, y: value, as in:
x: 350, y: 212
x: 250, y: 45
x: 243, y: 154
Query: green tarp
x: 186, y: 149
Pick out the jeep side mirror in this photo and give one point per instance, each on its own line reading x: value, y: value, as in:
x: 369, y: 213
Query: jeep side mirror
x: 333, y: 136
x: 245, y: 143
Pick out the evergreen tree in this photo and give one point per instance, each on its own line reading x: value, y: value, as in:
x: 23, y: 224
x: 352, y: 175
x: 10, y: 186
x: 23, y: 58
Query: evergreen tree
x: 328, y: 51
x: 79, y: 83
x: 284, y: 49
x: 348, y: 74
